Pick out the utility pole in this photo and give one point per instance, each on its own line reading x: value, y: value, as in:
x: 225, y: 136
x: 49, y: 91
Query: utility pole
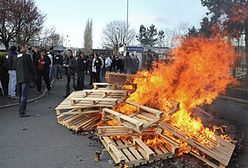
x: 127, y: 22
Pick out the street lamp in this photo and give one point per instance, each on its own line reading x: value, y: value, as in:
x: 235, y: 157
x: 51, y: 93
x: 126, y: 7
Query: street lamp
x: 127, y: 21
x: 117, y: 39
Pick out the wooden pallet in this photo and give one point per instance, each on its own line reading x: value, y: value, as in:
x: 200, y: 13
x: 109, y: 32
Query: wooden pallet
x: 118, y: 78
x: 105, y: 86
x: 120, y: 131
x: 91, y: 99
x: 66, y: 106
x: 100, y: 98
x: 133, y: 151
x: 217, y: 156
x: 159, y: 114
x: 80, y: 122
x: 138, y: 121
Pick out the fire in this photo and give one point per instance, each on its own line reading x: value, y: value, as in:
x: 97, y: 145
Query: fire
x: 199, y: 73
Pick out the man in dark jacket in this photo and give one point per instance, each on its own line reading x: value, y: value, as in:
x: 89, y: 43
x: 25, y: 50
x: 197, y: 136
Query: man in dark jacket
x: 12, y: 73
x: 70, y: 66
x: 81, y: 69
x: 96, y: 68
x: 25, y: 73
x: 57, y: 63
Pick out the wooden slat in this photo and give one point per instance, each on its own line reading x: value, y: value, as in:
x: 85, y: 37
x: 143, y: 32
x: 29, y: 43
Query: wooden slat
x: 125, y: 151
x: 216, y: 152
x: 157, y: 113
x: 112, y: 149
x: 148, y: 152
x: 123, y: 119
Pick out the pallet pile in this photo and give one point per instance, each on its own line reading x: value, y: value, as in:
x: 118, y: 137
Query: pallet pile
x: 139, y: 137
x: 81, y: 110
x: 125, y: 141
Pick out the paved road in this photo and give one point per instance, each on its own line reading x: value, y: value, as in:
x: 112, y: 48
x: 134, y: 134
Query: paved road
x: 236, y: 114
x: 39, y: 142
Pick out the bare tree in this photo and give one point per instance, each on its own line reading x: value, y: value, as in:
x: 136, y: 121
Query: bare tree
x: 180, y: 30
x: 116, y: 34
x: 88, y: 42
x: 171, y: 37
x: 20, y: 20
x: 49, y: 37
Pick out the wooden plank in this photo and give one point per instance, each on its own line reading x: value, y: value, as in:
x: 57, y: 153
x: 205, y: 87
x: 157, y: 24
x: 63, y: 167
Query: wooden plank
x: 142, y: 116
x: 123, y: 119
x: 120, y: 131
x: 113, y: 151
x: 204, y: 160
x: 122, y: 92
x: 172, y: 145
x: 148, y: 152
x: 214, y: 153
x: 133, y: 151
x: 125, y: 151
x: 157, y: 113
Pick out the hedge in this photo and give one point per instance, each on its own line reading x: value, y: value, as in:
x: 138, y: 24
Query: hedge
x: 3, y: 54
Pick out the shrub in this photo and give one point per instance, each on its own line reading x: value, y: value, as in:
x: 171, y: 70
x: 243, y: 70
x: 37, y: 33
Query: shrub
x: 3, y: 54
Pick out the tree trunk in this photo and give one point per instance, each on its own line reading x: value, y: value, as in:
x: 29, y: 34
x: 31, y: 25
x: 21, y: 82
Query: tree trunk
x: 6, y: 44
x: 246, y: 54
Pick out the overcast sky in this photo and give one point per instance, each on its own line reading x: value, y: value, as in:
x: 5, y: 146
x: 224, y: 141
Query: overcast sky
x: 69, y: 16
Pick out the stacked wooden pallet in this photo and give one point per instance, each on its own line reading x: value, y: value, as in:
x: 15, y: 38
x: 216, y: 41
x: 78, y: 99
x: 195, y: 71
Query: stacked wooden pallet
x: 80, y: 111
x: 125, y: 143
x: 119, y: 140
x: 126, y: 135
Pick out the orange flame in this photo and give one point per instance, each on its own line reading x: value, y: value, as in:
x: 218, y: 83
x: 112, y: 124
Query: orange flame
x: 199, y: 73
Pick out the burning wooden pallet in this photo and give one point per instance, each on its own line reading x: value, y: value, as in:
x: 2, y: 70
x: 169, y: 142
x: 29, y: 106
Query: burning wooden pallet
x: 118, y: 78
x: 217, y: 155
x: 81, y: 111
x: 133, y: 151
x: 139, y: 121
x: 120, y: 131
x: 138, y: 124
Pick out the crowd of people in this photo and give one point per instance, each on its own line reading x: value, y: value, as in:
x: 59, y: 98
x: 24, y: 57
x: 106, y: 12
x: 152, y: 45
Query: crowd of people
x: 29, y: 66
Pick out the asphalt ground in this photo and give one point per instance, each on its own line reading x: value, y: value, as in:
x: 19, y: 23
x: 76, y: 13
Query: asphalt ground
x: 39, y: 142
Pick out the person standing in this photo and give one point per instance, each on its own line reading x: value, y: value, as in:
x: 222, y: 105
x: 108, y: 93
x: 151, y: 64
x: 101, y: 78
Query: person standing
x: 25, y: 73
x: 108, y: 64
x: 58, y: 61
x: 81, y: 69
x: 119, y: 65
x: 89, y: 67
x: 12, y: 72
x: 102, y: 68
x: 96, y: 68
x: 114, y: 64
x: 70, y: 65
x: 43, y: 70
x: 137, y: 62
x: 51, y: 68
